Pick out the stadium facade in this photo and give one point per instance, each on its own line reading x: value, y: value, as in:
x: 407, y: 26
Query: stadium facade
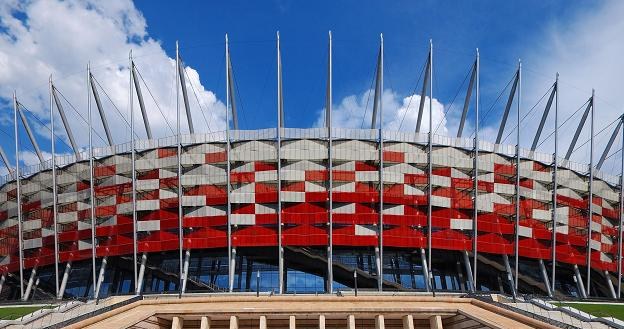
x: 310, y: 211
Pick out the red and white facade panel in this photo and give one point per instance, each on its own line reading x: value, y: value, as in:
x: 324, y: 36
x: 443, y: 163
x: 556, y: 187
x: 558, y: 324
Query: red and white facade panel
x: 304, y: 197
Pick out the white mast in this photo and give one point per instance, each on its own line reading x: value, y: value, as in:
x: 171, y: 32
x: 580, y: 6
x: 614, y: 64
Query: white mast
x: 228, y: 168
x: 133, y: 159
x: 430, y: 169
x: 381, y: 163
x: 280, y: 125
x: 54, y: 194
x: 18, y: 198
x: 475, y: 229
x: 590, y: 211
x: 179, y: 155
x: 91, y: 193
x: 328, y: 109
x: 517, y: 223
x: 554, y: 212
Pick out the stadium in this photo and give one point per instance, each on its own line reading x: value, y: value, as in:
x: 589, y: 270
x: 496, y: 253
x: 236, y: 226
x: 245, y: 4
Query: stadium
x: 310, y: 210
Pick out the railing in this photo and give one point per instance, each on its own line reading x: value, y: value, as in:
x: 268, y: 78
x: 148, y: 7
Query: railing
x: 315, y: 133
x: 572, y: 312
x: 533, y: 315
x: 95, y: 312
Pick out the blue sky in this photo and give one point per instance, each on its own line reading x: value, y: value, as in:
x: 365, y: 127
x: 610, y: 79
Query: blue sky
x: 504, y: 31
x: 579, y: 39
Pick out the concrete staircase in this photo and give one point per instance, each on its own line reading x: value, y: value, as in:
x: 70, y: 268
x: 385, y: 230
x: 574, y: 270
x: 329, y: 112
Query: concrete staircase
x: 570, y: 317
x: 48, y: 318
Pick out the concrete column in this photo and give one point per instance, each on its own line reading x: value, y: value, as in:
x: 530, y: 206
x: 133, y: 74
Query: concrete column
x: 139, y: 287
x: 351, y: 321
x: 610, y: 284
x: 545, y: 277
x: 233, y: 322
x: 100, y: 277
x: 408, y: 322
x: 510, y: 277
x: 205, y: 323
x: 2, y: 280
x: 292, y: 322
x: 471, y: 286
x: 379, y: 265
x: 263, y: 322
x: 321, y: 322
x: 176, y: 322
x: 500, y: 284
x: 579, y: 281
x: 425, y: 269
x: 64, y: 280
x: 435, y: 322
x: 460, y: 275
x: 379, y: 322
x: 232, y: 269
x: 31, y: 281
x: 329, y: 280
x: 187, y: 259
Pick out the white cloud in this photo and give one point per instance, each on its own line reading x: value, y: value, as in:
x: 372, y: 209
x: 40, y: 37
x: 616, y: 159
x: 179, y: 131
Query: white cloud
x: 29, y: 158
x: 355, y: 111
x: 587, y: 53
x: 39, y: 38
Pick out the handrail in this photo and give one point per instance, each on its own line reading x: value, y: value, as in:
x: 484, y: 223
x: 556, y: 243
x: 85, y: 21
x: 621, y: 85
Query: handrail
x: 507, y: 150
x: 93, y: 313
x: 538, y: 317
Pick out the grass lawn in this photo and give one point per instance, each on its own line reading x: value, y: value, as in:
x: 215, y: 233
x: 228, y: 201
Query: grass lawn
x: 12, y: 313
x: 602, y: 310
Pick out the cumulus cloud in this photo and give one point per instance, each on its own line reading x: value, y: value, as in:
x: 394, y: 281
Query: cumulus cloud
x: 42, y: 38
x: 399, y: 114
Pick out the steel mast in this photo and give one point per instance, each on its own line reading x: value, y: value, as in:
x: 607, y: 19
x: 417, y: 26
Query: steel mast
x: 381, y: 164
x: 555, y: 186
x: 517, y: 223
x: 18, y: 198
x: 54, y: 194
x: 328, y: 109
x: 476, y: 179
x: 228, y: 80
x: 91, y: 184
x: 280, y: 125
x: 591, y: 192
x: 133, y: 159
